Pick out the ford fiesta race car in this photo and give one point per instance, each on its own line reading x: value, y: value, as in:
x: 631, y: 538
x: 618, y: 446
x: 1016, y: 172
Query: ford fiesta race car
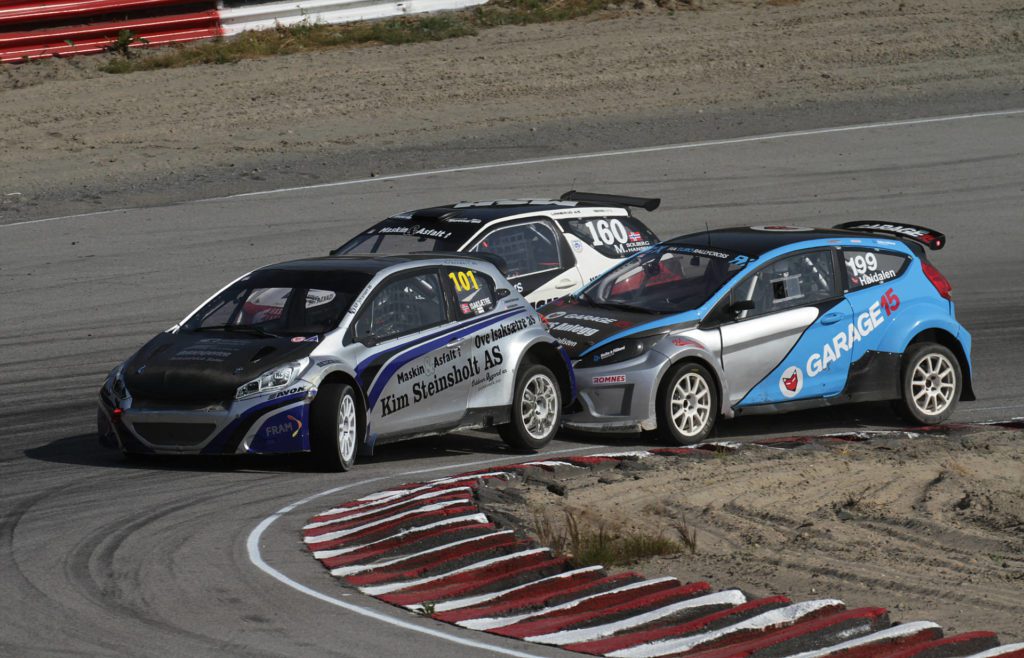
x: 337, y: 354
x: 548, y: 247
x: 762, y: 320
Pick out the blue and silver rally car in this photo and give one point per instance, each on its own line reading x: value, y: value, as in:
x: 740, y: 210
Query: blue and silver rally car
x: 765, y: 319
x: 334, y: 355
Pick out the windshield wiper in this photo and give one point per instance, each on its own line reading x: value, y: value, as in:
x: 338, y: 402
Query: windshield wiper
x: 239, y: 328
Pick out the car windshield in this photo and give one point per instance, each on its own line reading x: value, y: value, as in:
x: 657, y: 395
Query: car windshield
x: 281, y: 303
x: 667, y: 279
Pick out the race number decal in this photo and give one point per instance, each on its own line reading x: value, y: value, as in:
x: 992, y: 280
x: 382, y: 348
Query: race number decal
x: 607, y: 232
x: 464, y: 280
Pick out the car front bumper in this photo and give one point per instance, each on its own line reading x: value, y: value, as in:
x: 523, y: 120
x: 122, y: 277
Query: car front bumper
x: 618, y: 398
x: 260, y: 425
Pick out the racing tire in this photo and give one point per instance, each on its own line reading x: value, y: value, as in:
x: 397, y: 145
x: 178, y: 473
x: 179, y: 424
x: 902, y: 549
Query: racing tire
x: 536, y: 409
x: 930, y: 384
x: 336, y: 427
x: 687, y: 404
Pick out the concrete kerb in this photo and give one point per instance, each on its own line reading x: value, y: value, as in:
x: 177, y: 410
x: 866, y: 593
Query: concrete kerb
x: 499, y: 580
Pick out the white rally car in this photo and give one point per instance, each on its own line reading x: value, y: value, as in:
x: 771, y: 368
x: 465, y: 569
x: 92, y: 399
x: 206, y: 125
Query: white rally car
x: 549, y: 247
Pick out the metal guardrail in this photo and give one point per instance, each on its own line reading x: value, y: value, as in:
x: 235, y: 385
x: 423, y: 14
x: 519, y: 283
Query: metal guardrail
x: 34, y: 30
x: 79, y: 27
x: 265, y: 16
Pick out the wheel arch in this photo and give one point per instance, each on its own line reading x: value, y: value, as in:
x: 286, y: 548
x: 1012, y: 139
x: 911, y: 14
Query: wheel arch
x: 547, y: 354
x: 699, y: 359
x: 950, y: 342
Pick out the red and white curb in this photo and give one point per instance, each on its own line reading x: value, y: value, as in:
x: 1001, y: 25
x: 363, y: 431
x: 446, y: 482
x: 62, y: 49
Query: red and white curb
x: 428, y: 547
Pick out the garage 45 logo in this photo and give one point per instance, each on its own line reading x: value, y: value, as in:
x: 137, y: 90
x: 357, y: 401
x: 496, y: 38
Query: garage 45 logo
x: 791, y: 382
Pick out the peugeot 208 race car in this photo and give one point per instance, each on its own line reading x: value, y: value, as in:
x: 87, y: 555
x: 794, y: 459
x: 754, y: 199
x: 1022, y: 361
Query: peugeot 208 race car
x: 334, y: 355
x: 765, y: 319
x: 549, y: 247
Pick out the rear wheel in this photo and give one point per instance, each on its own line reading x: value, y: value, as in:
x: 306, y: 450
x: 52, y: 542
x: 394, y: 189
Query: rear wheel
x: 687, y: 404
x: 336, y: 426
x: 930, y: 384
x: 536, y: 409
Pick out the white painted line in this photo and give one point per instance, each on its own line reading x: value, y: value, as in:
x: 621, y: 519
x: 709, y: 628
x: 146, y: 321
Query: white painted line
x: 731, y: 597
x: 581, y: 156
x: 731, y: 445
x: 451, y: 520
x: 377, y: 590
x: 338, y: 534
x: 902, y: 630
x: 252, y: 545
x: 469, y: 601
x: 372, y: 566
x: 771, y: 619
x: 378, y: 497
x: 639, y: 454
x: 551, y: 464
x: 488, y: 623
x: 998, y: 651
x: 363, y: 512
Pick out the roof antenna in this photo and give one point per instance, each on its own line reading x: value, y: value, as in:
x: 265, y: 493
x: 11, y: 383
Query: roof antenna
x: 707, y: 231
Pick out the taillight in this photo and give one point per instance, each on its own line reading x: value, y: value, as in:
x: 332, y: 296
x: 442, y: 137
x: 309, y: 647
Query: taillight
x: 940, y: 282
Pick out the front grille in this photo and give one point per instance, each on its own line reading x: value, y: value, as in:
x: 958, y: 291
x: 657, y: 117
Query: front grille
x: 174, y: 434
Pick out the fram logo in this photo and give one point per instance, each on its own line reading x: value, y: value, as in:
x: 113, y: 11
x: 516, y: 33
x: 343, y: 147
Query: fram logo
x: 298, y: 425
x: 791, y: 382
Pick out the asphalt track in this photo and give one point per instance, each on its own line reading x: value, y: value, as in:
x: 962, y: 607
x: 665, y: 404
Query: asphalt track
x: 178, y: 557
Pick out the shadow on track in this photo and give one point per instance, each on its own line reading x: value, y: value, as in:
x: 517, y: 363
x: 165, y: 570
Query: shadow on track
x: 83, y: 449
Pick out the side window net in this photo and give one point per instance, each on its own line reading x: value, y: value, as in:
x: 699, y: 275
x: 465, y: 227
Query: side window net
x: 526, y: 249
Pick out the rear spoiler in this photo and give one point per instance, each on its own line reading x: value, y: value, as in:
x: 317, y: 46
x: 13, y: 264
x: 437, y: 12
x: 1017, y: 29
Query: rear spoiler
x: 926, y: 236
x: 612, y: 200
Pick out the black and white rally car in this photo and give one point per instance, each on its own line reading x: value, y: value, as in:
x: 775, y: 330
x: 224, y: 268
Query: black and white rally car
x: 549, y: 247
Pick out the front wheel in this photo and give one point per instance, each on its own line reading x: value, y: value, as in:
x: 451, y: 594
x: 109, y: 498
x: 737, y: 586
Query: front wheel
x: 930, y: 384
x: 687, y: 404
x: 536, y: 409
x: 336, y: 426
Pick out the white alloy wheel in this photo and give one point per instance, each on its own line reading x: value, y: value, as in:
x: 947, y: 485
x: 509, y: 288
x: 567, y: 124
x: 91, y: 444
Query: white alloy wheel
x: 539, y: 406
x: 691, y: 404
x: 348, y: 427
x: 933, y: 384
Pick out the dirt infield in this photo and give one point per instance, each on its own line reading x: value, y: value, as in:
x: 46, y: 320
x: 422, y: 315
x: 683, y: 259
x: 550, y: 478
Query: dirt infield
x: 76, y: 140
x: 931, y: 527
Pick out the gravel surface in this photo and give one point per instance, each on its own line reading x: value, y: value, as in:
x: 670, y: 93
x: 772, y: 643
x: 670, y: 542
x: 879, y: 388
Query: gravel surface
x: 75, y: 139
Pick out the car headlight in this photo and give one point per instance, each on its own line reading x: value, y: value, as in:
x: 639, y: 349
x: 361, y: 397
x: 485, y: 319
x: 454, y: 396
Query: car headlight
x: 115, y: 383
x: 272, y: 380
x: 620, y: 350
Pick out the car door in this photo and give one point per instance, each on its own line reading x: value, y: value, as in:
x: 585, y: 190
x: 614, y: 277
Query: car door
x: 773, y: 350
x: 537, y: 262
x: 417, y: 369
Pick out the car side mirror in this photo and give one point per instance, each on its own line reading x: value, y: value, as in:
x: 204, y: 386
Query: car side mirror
x: 502, y: 293
x: 743, y: 305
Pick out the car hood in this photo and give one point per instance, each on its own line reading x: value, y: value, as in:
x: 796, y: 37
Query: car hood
x: 578, y: 326
x: 205, y: 366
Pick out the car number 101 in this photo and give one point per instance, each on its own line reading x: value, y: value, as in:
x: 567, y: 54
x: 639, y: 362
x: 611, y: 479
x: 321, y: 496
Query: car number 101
x: 464, y: 281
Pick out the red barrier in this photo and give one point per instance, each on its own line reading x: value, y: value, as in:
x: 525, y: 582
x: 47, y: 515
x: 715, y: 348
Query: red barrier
x: 54, y: 29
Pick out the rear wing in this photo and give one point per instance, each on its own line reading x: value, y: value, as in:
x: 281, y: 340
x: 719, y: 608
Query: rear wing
x: 926, y: 236
x: 612, y: 200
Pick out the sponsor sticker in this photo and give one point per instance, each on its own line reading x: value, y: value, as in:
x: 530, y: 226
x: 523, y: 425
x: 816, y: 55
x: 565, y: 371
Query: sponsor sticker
x: 609, y: 379
x: 791, y: 382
